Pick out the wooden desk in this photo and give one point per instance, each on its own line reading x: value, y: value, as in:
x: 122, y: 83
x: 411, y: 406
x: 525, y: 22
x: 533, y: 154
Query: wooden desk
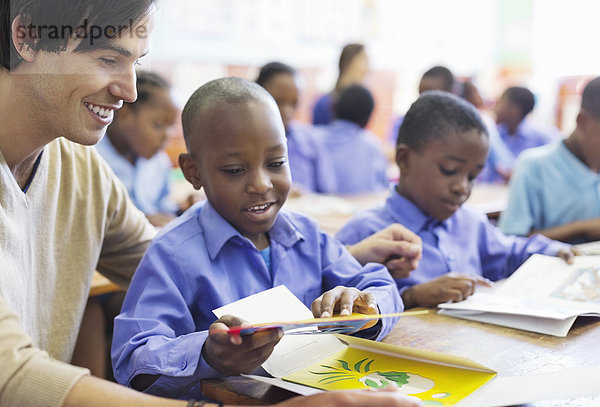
x: 509, y: 351
x: 102, y: 285
x: 334, y: 212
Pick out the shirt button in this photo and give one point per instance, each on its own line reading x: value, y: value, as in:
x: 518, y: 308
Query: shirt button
x: 183, y: 365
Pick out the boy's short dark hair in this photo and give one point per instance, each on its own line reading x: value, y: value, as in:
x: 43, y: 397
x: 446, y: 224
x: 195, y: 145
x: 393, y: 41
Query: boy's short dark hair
x: 443, y: 73
x: 355, y: 104
x: 271, y: 69
x: 521, y: 97
x: 436, y: 114
x: 223, y: 91
x: 590, y: 98
x: 51, y: 23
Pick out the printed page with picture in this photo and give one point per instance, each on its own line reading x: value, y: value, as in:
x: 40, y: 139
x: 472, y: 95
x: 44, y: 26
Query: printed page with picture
x: 544, y: 295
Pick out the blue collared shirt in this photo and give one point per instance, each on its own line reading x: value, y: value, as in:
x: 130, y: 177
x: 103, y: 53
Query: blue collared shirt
x: 499, y: 158
x: 310, y: 163
x: 147, y: 181
x: 550, y: 187
x: 528, y: 135
x: 199, y: 262
x: 360, y: 165
x: 323, y: 110
x: 465, y: 242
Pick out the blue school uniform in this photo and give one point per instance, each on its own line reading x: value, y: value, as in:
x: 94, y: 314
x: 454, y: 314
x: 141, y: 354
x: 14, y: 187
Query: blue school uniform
x: 499, y: 158
x: 310, y: 163
x: 527, y: 135
x: 323, y: 110
x: 147, y: 181
x: 466, y: 242
x: 550, y: 187
x: 199, y: 262
x: 359, y: 163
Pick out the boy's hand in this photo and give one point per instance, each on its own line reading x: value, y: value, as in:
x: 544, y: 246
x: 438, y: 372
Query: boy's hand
x: 449, y: 287
x: 235, y: 354
x: 343, y: 301
x: 568, y: 255
x: 396, y: 247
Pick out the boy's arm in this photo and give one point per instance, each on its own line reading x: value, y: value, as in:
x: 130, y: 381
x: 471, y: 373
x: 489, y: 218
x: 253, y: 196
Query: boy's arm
x: 156, y: 333
x: 501, y: 255
x: 585, y: 229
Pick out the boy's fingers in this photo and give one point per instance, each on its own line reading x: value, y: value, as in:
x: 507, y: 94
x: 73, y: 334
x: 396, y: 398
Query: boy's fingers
x: 328, y: 301
x: 257, y: 340
x: 400, y: 268
x: 399, y: 232
x: 347, y: 298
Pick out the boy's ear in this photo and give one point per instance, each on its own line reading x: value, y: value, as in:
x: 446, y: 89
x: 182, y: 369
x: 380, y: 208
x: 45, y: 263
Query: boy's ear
x: 402, y: 156
x: 190, y: 170
x: 23, y: 38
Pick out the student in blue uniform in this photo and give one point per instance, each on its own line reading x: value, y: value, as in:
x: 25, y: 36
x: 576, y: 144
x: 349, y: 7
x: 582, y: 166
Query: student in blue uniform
x: 442, y: 147
x: 309, y: 162
x: 236, y: 244
x: 353, y: 67
x: 359, y: 163
x: 133, y: 147
x: 555, y: 189
x: 516, y: 131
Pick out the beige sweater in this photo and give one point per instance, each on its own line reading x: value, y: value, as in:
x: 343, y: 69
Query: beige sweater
x: 75, y: 217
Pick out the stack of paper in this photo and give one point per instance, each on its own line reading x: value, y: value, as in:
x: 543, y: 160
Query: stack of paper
x: 544, y: 295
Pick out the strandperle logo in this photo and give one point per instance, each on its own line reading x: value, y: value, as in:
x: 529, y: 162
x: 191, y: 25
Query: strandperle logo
x: 83, y: 31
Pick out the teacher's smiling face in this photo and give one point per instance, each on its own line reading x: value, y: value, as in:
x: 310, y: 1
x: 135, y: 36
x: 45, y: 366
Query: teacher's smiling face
x: 74, y: 93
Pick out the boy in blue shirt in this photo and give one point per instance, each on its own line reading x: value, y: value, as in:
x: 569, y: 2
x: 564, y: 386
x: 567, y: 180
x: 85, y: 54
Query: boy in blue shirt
x: 519, y: 134
x: 359, y: 163
x: 555, y: 189
x: 309, y: 162
x: 236, y: 244
x: 442, y: 147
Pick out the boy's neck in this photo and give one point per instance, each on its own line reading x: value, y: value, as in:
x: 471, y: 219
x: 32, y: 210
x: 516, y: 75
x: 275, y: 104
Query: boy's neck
x: 575, y: 145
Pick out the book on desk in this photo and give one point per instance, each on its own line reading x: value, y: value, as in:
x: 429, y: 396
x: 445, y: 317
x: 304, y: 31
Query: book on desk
x: 544, y: 295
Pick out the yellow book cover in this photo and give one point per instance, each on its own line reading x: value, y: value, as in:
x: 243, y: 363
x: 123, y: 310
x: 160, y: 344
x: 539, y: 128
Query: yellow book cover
x: 352, y: 368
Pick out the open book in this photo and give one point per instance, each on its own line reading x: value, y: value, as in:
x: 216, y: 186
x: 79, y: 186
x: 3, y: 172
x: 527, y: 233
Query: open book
x: 544, y: 295
x: 311, y: 363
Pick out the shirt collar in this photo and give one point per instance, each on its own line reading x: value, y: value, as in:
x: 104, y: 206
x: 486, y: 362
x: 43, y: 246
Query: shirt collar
x: 410, y: 215
x: 217, y: 231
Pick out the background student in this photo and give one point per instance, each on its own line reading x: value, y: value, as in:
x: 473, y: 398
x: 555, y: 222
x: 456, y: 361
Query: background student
x: 353, y: 67
x: 64, y: 213
x: 442, y: 147
x: 234, y: 245
x: 310, y: 163
x: 518, y: 133
x: 134, y: 147
x: 555, y: 188
x: 500, y: 160
x: 358, y: 161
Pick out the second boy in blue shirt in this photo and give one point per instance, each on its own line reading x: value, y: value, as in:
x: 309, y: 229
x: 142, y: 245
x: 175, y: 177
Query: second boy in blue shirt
x: 212, y: 255
x: 442, y: 147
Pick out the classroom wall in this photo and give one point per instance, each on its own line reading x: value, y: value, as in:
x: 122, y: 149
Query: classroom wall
x: 498, y: 43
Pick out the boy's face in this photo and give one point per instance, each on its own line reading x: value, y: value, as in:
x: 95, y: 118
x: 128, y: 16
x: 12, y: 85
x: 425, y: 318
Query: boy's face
x: 439, y: 178
x: 506, y: 112
x: 241, y: 161
x: 147, y: 127
x: 284, y: 89
x: 74, y: 94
